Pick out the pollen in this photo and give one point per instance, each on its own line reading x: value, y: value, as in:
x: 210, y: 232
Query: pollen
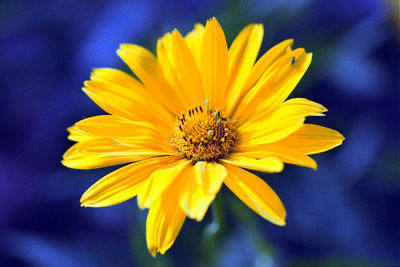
x: 204, y: 134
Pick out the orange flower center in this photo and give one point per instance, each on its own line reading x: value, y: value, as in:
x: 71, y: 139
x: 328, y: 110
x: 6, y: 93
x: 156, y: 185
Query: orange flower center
x: 204, y: 135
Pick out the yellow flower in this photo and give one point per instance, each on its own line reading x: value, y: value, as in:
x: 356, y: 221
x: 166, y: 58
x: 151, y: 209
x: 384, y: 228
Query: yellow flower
x: 197, y: 114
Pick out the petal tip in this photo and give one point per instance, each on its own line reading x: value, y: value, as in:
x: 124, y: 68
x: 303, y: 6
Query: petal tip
x: 123, y: 46
x: 87, y: 83
x: 84, y: 203
x: 83, y: 200
x: 175, y: 31
x: 86, y: 90
x: 153, y: 251
x: 289, y: 44
x: 140, y: 203
x: 281, y: 221
x: 66, y: 162
x: 315, y: 167
x: 213, y: 22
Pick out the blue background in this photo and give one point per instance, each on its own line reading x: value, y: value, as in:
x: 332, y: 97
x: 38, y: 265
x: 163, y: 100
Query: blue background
x: 346, y: 213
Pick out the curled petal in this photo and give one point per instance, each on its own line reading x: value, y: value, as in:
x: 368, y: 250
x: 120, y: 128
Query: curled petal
x: 159, y: 181
x: 164, y: 221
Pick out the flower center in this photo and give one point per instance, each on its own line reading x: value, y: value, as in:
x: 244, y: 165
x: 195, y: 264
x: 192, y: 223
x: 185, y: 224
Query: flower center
x: 204, y: 135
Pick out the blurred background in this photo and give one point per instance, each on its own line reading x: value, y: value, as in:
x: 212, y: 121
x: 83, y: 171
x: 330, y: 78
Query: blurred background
x: 346, y: 213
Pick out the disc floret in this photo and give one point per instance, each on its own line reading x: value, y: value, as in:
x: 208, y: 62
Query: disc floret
x: 204, y: 134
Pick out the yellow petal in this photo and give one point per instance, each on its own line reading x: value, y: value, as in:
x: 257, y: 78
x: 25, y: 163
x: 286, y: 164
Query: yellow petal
x: 242, y: 55
x: 118, y: 106
x: 159, y: 181
x: 279, y: 124
x: 193, y: 40
x: 312, y: 108
x: 260, y: 133
x: 258, y: 70
x: 275, y: 85
x: 193, y: 199
x: 268, y: 164
x: 129, y: 102
x: 77, y: 135
x: 285, y: 154
x: 214, y: 63
x: 308, y: 107
x: 113, y: 126
x: 145, y: 65
x: 129, y: 88
x: 256, y: 194
x: 121, y: 184
x: 104, y: 152
x: 312, y: 139
x: 167, y: 64
x: 210, y: 176
x: 113, y: 146
x: 267, y: 60
x: 185, y: 66
x: 85, y: 161
x: 117, y: 77
x: 125, y: 131
x: 164, y: 221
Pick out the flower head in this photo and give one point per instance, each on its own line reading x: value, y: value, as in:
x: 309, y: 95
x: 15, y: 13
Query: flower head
x: 197, y: 114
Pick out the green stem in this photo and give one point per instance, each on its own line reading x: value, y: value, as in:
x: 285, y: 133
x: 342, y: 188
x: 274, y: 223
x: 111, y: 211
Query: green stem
x: 210, y: 239
x: 218, y: 214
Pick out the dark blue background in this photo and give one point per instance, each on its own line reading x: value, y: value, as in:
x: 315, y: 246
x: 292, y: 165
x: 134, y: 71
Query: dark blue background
x: 345, y: 213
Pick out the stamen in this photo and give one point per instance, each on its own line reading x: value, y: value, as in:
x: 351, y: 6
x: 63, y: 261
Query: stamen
x: 292, y: 61
x: 201, y: 109
x: 216, y: 114
x: 207, y: 106
x: 218, y: 121
x: 209, y: 133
